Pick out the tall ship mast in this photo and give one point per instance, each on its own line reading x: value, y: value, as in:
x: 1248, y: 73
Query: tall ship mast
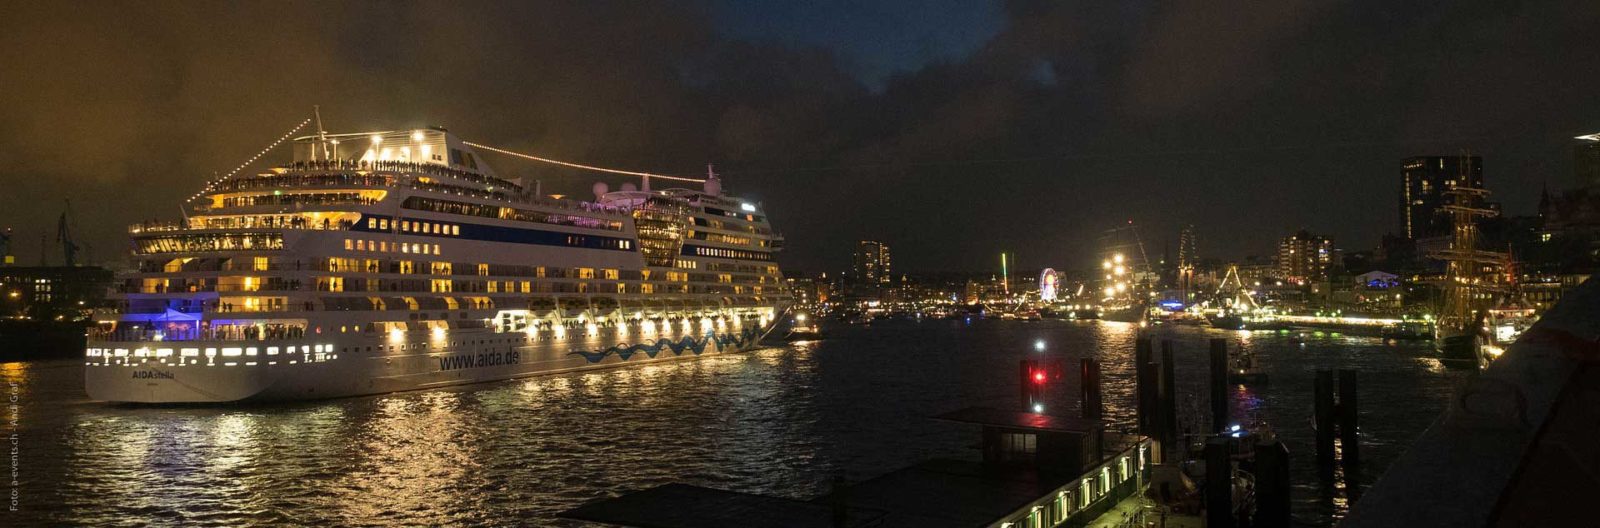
x: 1127, y: 275
x: 1467, y: 290
x: 387, y: 261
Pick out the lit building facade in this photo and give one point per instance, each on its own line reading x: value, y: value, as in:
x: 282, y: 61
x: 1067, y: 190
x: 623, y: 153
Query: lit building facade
x: 1304, y: 257
x: 52, y: 292
x: 872, y: 263
x: 1423, y: 182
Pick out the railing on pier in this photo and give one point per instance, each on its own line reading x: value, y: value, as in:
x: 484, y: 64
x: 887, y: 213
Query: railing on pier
x: 1519, y: 444
x: 1086, y: 498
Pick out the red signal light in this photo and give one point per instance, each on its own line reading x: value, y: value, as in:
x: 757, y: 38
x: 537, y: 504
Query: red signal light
x: 1038, y: 376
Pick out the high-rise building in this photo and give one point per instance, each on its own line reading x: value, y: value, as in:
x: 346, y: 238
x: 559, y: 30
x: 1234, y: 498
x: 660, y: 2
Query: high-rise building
x: 1423, y: 182
x: 1304, y: 257
x: 1587, y: 160
x: 872, y: 262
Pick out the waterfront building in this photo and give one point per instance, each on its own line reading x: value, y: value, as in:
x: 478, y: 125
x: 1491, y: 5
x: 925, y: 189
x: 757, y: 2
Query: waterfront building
x: 872, y: 263
x: 1423, y: 183
x: 1586, y: 160
x: 803, y: 291
x: 6, y: 258
x: 1304, y: 257
x: 52, y: 293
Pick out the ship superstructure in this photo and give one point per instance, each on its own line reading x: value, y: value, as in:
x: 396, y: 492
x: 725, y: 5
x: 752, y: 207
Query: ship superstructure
x: 398, y: 260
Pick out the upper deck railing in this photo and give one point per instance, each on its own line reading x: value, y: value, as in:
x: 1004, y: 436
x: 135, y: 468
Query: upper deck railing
x: 401, y: 166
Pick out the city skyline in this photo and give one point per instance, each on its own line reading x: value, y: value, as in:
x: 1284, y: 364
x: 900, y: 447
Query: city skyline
x: 998, y: 138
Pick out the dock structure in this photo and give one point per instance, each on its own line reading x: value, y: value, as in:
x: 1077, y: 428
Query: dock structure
x: 1037, y: 470
x: 1517, y: 446
x: 684, y: 506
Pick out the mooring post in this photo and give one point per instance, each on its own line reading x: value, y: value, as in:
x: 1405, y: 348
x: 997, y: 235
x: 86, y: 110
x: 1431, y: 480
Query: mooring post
x: 1219, y: 385
x: 1219, y: 482
x: 1349, y: 428
x: 1144, y: 384
x: 1169, y: 403
x: 1093, y: 406
x: 1025, y: 383
x: 1324, y: 420
x: 841, y: 515
x: 1272, y: 485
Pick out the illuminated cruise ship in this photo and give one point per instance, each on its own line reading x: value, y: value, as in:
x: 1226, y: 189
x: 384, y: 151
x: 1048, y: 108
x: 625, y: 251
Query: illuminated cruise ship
x: 392, y: 261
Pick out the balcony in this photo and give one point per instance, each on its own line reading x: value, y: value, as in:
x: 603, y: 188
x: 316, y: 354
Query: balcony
x: 333, y: 222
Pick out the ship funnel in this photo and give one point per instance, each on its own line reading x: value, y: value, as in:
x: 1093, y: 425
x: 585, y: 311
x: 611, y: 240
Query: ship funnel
x: 600, y: 189
x: 713, y: 183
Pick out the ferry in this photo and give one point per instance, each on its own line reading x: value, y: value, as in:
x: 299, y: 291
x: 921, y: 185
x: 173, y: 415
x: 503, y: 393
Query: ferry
x: 398, y: 260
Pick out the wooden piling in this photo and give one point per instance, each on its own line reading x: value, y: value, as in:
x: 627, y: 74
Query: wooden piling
x: 1144, y: 384
x: 1025, y: 383
x: 1272, y: 485
x: 1219, y: 385
x: 1093, y: 406
x: 1349, y: 427
x: 1219, y: 482
x: 1168, y: 416
x: 1324, y: 419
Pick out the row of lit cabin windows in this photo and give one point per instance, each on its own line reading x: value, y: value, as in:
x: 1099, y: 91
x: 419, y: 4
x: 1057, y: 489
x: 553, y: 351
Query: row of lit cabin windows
x: 342, y: 284
x: 390, y: 247
x: 723, y: 239
x: 408, y: 226
x: 407, y: 267
x: 731, y: 253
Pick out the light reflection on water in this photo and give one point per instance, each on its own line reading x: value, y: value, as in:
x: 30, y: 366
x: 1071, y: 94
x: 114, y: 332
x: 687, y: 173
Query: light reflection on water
x: 778, y: 421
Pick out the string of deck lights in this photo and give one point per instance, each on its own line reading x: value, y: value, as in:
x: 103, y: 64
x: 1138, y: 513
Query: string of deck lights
x: 581, y: 166
x: 213, y: 183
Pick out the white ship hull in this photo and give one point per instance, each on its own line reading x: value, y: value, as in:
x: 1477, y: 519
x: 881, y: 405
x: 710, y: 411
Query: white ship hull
x: 342, y: 366
x: 397, y: 261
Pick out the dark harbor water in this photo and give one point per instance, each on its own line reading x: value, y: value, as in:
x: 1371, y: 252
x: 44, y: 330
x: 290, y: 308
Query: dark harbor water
x: 781, y: 421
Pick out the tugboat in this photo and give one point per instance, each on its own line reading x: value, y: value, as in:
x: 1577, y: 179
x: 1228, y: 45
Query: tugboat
x: 1226, y: 321
x: 803, y: 327
x: 1245, y: 369
x: 1408, y: 331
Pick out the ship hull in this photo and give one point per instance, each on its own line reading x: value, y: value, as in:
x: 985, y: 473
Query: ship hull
x: 1459, y: 352
x: 1226, y: 322
x: 342, y: 366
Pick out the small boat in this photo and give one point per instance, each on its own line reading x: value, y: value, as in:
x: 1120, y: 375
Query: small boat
x: 1245, y: 369
x: 803, y: 328
x: 1408, y: 331
x: 1226, y: 321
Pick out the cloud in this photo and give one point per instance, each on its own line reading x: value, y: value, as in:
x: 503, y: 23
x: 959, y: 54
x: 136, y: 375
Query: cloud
x: 1249, y: 120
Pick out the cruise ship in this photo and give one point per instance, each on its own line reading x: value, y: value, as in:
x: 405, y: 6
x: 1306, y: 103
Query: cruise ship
x: 399, y: 260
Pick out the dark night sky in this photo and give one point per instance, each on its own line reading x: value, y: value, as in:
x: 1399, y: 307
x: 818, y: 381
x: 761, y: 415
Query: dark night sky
x: 950, y: 129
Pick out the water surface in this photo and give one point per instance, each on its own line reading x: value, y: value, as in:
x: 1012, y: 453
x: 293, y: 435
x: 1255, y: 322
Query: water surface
x: 781, y: 420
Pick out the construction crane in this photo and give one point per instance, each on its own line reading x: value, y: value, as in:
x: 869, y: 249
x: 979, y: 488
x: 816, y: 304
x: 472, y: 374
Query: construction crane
x: 69, y: 249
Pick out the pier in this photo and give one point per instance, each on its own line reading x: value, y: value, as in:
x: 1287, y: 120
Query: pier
x: 1517, y: 445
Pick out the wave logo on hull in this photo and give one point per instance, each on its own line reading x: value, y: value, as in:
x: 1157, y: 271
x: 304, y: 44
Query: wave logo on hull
x: 691, y: 344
